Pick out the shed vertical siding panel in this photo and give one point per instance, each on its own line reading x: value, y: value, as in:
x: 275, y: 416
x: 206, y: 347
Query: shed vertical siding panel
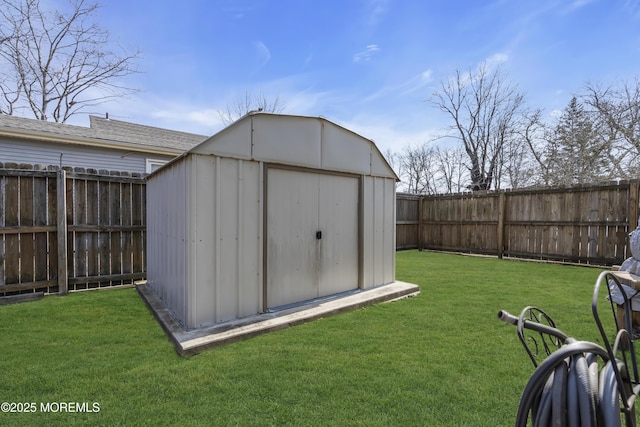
x: 389, y: 230
x: 230, y: 223
x: 227, y: 213
x: 250, y: 238
x: 166, y: 234
x: 368, y: 247
x: 379, y: 231
x: 202, y: 217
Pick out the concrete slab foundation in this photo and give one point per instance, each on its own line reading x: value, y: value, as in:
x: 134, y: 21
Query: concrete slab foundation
x: 194, y: 341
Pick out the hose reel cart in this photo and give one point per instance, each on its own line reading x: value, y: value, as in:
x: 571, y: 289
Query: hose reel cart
x: 576, y: 382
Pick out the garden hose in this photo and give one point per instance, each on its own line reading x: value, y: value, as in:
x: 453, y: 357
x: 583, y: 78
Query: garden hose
x: 570, y: 392
x: 567, y: 388
x: 608, y: 390
x: 573, y: 416
x: 585, y: 392
x: 559, y: 408
x: 573, y: 396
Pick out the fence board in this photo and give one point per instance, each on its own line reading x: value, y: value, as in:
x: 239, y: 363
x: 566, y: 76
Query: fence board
x: 79, y: 218
x: 12, y: 243
x: 52, y: 237
x: 138, y: 219
x: 41, y: 254
x: 25, y: 215
x: 104, y: 241
x: 115, y: 237
x: 92, y: 218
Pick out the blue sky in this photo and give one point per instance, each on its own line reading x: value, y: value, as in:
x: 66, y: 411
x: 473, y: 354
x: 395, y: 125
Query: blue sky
x: 369, y: 65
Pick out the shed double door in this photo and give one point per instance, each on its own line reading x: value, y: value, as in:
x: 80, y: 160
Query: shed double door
x: 312, y: 235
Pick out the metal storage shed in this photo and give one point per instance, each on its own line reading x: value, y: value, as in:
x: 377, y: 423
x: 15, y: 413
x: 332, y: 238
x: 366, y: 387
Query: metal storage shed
x: 273, y: 211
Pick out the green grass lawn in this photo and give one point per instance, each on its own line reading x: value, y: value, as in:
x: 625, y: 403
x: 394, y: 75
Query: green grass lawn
x: 438, y: 359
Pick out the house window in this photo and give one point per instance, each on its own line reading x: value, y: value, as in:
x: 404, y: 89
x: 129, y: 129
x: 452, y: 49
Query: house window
x: 153, y: 164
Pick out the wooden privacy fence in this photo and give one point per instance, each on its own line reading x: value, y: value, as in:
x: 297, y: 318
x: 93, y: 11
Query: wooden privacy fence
x: 70, y: 230
x: 580, y: 224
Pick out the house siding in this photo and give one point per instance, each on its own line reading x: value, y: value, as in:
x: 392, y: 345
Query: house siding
x: 48, y: 153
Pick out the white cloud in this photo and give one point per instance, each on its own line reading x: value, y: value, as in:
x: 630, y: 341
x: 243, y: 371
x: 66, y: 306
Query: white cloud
x: 264, y: 55
x: 366, y: 54
x: 375, y: 11
x: 388, y: 133
x: 406, y: 87
x: 496, y: 59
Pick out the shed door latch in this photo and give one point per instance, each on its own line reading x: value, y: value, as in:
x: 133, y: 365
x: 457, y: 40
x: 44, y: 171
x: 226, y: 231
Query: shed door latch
x: 318, y: 234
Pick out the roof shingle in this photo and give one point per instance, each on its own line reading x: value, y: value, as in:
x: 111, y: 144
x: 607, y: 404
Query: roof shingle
x: 107, y: 130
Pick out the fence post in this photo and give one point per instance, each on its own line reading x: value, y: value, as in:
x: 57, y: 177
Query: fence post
x: 420, y: 237
x: 500, y: 231
x: 61, y: 214
x: 633, y: 205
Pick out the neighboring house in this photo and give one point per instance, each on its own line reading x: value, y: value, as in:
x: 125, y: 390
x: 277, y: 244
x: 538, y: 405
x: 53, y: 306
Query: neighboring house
x: 106, y: 144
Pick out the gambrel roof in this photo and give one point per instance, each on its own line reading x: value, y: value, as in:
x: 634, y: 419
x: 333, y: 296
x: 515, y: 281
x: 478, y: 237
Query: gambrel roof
x: 303, y: 141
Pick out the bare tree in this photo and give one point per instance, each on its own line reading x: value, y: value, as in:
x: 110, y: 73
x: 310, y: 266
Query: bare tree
x: 451, y: 170
x: 619, y: 106
x: 535, y: 133
x: 520, y: 161
x: 484, y: 109
x: 418, y: 169
x: 618, y: 109
x: 56, y: 64
x: 248, y: 103
x: 393, y: 159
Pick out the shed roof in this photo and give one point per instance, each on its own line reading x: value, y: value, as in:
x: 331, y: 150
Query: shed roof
x: 313, y: 142
x: 102, y: 133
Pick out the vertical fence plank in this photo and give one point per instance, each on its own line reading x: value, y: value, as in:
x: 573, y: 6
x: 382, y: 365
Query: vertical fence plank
x: 61, y: 211
x: 115, y: 236
x: 12, y: 243
x: 91, y: 212
x: 70, y: 256
x: 500, y: 231
x: 52, y: 220
x: 41, y: 254
x: 137, y: 219
x: 79, y: 237
x: 126, y: 221
x: 104, y: 242
x: 633, y: 204
x: 26, y: 239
